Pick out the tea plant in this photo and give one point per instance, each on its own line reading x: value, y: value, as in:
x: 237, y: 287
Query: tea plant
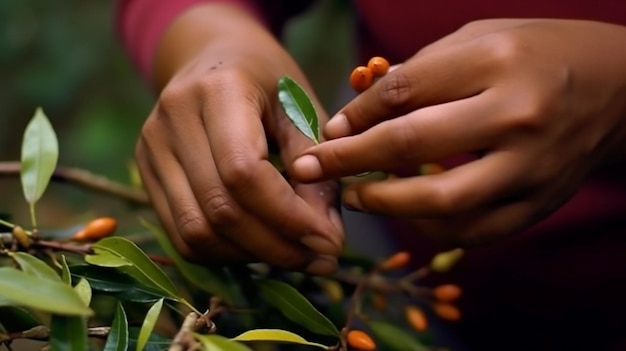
x: 91, y: 288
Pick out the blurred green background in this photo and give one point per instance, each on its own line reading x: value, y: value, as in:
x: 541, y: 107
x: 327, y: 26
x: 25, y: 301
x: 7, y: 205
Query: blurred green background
x: 63, y: 55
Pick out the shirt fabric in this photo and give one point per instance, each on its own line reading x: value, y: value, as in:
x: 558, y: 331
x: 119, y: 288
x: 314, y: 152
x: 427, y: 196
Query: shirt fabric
x: 561, y: 284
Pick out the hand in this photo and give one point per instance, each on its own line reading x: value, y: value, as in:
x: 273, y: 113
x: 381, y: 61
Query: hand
x: 539, y: 103
x: 203, y: 156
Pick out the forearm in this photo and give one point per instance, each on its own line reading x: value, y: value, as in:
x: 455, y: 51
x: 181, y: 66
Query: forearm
x: 224, y: 30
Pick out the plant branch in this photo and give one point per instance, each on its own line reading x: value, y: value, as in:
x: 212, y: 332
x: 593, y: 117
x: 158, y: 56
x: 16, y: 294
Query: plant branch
x: 85, y: 179
x: 42, y: 333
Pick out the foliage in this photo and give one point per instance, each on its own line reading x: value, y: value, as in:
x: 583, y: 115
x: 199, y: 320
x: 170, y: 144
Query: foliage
x: 108, y: 292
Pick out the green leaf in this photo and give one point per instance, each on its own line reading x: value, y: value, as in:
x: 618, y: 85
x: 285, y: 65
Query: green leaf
x: 395, y: 337
x: 68, y: 334
x: 83, y: 289
x: 35, y: 267
x: 148, y: 324
x: 298, y: 108
x: 140, y: 266
x: 113, y: 282
x: 215, y: 342
x: 118, y: 335
x: 17, y: 319
x: 40, y: 152
x: 66, y: 275
x: 209, y: 280
x: 156, y: 342
x: 51, y: 296
x: 296, y: 307
x: 275, y: 335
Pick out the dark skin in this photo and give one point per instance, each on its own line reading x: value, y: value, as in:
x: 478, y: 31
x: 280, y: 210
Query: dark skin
x: 541, y: 103
x: 512, y: 91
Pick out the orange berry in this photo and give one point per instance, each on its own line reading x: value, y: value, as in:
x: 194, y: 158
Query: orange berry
x: 378, y: 65
x: 416, y: 318
x: 446, y: 311
x: 96, y: 229
x: 395, y: 261
x: 361, y: 78
x: 360, y: 340
x: 447, y: 292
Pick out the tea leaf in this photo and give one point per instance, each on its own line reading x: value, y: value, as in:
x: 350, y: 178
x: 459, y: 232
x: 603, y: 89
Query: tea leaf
x: 83, y: 289
x: 118, y: 335
x: 214, y: 342
x: 40, y: 152
x: 275, y: 335
x: 148, y: 324
x: 68, y: 333
x: 296, y: 307
x: 202, y: 277
x: 123, y: 253
x: 298, y: 108
x: 35, y: 267
x: 23, y: 289
x: 395, y: 337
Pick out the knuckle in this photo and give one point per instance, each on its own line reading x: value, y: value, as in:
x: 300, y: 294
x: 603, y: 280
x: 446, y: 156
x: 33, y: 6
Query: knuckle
x: 237, y: 171
x: 191, y: 224
x: 444, y: 203
x: 395, y: 92
x: 504, y: 49
x: 219, y: 208
x: 173, y: 97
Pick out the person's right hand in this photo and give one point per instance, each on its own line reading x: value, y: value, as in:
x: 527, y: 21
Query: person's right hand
x: 203, y: 157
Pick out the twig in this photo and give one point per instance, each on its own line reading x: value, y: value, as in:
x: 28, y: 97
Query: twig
x: 86, y: 180
x: 183, y: 337
x: 42, y: 333
x: 60, y: 246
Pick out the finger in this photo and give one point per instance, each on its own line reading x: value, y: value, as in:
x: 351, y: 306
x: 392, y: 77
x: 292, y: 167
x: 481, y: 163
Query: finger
x: 426, y: 135
x: 241, y: 158
x: 440, y: 77
x: 481, y: 227
x: 213, y: 211
x: 192, y: 245
x: 476, y: 184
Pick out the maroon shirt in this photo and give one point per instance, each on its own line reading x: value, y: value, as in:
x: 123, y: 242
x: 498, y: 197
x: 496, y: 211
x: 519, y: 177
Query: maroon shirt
x: 560, y: 285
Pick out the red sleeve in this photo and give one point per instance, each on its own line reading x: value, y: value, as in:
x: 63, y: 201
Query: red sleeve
x: 141, y: 23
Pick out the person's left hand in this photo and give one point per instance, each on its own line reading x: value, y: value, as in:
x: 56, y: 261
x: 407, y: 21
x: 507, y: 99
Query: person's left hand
x: 540, y: 103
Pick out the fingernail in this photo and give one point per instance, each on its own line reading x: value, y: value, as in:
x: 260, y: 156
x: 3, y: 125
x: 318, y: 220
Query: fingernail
x: 322, y: 265
x: 308, y: 166
x: 320, y: 244
x: 352, y: 202
x: 337, y: 127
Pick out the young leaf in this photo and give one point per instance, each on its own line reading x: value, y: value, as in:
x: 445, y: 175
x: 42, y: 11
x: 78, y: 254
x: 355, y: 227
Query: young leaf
x: 66, y: 275
x: 296, y: 307
x: 140, y: 265
x: 276, y: 335
x: 214, y: 342
x: 68, y: 333
x: 40, y: 152
x: 298, y: 108
x: 35, y: 267
x: 118, y: 335
x: 83, y: 289
x: 202, y: 277
x: 148, y: 324
x: 395, y: 338
x: 20, y: 288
